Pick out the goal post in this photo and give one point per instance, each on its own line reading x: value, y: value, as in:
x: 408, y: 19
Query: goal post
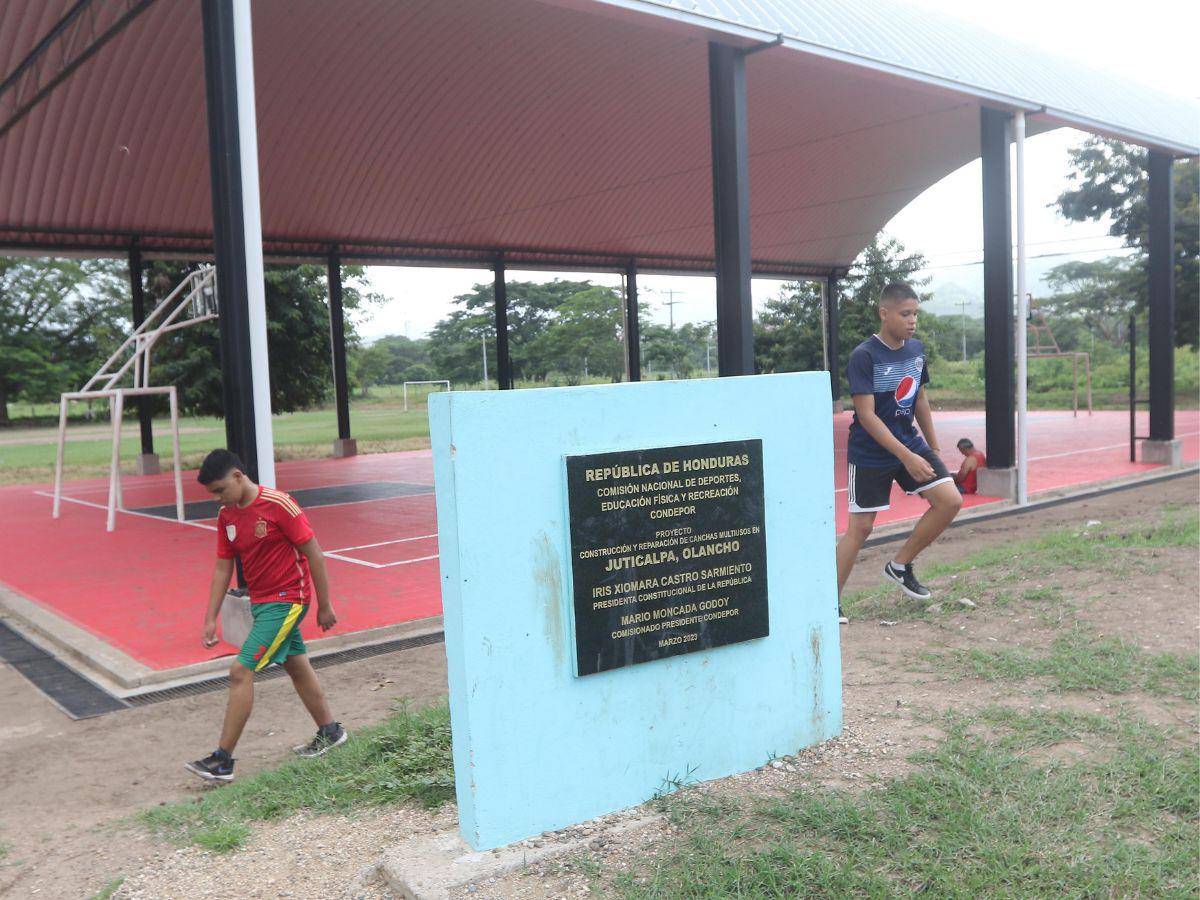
x: 116, y: 399
x: 435, y: 381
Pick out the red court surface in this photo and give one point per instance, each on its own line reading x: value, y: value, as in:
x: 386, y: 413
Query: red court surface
x: 143, y: 587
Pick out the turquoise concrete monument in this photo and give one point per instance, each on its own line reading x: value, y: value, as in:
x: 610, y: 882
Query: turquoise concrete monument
x: 638, y: 584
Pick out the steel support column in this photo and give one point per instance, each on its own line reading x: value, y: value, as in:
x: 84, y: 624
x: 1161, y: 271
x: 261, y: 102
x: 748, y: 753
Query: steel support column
x: 831, y: 336
x: 237, y: 233
x: 504, y: 377
x: 337, y: 345
x: 137, y: 294
x: 999, y: 334
x: 1161, y: 278
x: 731, y: 209
x: 633, y: 352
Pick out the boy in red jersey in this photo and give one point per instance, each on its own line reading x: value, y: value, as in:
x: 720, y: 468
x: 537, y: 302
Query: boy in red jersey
x: 283, y: 565
x: 968, y: 473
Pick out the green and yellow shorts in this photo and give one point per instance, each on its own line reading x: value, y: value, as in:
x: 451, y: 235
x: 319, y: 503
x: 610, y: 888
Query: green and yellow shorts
x: 274, y: 636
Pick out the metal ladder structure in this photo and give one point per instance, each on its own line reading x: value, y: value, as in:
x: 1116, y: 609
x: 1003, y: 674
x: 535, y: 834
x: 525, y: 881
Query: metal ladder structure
x: 193, y: 301
x: 1042, y: 345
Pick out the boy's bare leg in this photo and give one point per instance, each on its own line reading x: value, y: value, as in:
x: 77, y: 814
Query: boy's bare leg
x: 308, y: 686
x: 852, y: 541
x: 944, y: 503
x: 237, y: 710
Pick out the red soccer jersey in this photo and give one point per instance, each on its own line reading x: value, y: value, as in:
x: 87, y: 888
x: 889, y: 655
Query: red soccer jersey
x: 970, y: 483
x: 265, y: 535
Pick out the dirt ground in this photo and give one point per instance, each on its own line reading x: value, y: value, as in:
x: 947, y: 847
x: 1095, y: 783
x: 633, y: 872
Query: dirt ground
x: 71, y: 786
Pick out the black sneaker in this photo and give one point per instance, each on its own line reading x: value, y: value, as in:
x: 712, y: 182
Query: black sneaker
x: 843, y: 619
x: 217, y: 766
x: 327, y: 738
x: 907, y: 579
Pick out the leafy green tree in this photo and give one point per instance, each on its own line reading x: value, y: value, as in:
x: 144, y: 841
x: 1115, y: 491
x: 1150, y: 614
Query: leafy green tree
x: 58, y: 320
x: 368, y: 367
x: 787, y: 333
x: 456, y: 343
x: 1098, y: 294
x: 884, y: 260
x: 670, y: 351
x: 1109, y: 181
x: 297, y: 338
x: 403, y: 356
x: 583, y: 337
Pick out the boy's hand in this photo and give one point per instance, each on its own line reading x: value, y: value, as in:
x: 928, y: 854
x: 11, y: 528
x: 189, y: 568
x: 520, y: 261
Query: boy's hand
x: 326, y: 617
x: 918, y: 467
x: 210, y: 632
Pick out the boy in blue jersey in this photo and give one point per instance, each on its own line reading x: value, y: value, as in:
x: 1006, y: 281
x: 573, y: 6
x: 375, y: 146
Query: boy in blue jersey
x: 887, y: 375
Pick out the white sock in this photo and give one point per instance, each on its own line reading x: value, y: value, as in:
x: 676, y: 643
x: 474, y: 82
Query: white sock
x: 901, y: 566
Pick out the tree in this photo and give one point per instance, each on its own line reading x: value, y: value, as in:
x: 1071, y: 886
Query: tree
x: 298, y: 346
x: 1110, y: 181
x: 404, y: 357
x: 1099, y: 294
x: 58, y: 320
x: 787, y: 333
x: 881, y: 262
x: 368, y: 367
x: 671, y: 351
x: 583, y: 337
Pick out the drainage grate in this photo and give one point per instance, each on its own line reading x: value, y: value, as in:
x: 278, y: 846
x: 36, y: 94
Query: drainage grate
x: 75, y: 695
x: 321, y: 662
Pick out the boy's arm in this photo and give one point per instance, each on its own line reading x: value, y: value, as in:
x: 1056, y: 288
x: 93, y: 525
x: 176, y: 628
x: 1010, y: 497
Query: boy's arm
x: 924, y: 416
x: 918, y: 467
x: 222, y: 572
x: 326, y: 617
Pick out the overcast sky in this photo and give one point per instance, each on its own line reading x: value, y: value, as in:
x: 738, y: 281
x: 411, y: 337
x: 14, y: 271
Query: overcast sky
x: 945, y: 223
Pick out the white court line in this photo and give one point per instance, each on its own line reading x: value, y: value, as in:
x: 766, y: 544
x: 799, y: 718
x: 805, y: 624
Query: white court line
x: 128, y: 512
x: 351, y: 559
x: 1095, y: 449
x: 406, y: 562
x: 383, y: 543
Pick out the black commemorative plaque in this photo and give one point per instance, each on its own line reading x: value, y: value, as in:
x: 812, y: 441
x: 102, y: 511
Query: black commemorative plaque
x: 668, y: 551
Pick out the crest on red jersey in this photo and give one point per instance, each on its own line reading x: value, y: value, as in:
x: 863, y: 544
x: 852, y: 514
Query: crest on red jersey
x: 260, y: 528
x: 231, y: 533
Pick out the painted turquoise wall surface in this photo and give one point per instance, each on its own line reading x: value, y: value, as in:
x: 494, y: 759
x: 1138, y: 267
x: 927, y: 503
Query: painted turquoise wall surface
x: 538, y: 748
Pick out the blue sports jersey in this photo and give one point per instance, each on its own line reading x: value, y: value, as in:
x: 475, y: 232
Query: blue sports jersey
x: 895, y: 378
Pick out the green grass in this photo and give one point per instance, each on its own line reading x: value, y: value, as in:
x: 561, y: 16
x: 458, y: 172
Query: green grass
x: 109, y: 889
x: 983, y: 576
x: 1080, y: 660
x: 976, y: 818
x: 405, y: 758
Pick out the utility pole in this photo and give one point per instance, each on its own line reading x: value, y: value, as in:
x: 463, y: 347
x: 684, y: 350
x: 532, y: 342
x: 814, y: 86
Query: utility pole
x: 670, y: 305
x: 963, y: 306
x: 483, y: 343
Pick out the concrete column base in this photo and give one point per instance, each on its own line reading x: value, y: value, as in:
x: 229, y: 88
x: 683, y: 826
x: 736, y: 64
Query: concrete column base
x: 1000, y: 483
x: 147, y: 464
x: 344, y: 447
x: 1168, y: 453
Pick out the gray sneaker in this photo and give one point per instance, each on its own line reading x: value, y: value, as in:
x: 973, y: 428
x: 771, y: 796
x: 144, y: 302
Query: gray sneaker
x: 325, y: 741
x: 907, y: 579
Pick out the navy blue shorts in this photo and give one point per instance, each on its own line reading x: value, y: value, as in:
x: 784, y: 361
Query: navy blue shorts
x: 870, y: 488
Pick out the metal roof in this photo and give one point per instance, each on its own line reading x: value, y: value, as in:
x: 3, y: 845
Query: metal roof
x: 919, y: 44
x: 570, y: 134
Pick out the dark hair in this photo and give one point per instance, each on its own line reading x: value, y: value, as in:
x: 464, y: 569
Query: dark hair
x: 898, y: 290
x: 966, y: 441
x: 218, y: 464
